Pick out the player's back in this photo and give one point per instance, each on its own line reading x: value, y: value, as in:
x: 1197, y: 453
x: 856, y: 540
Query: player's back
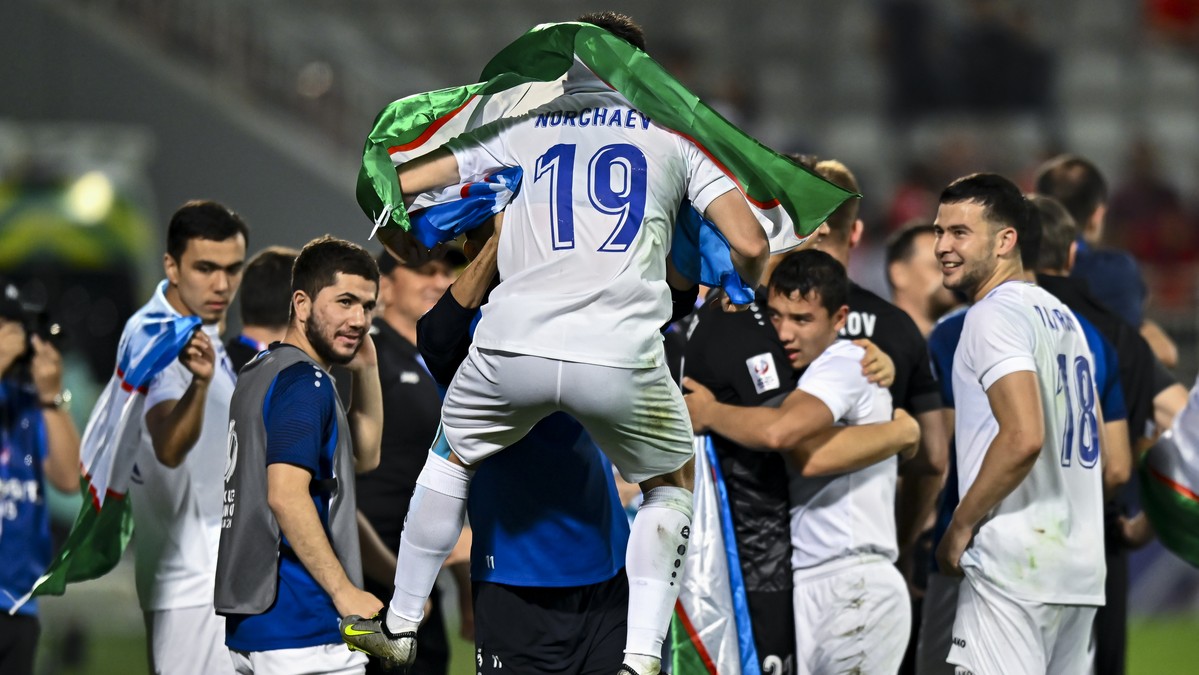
x: 582, y: 258
x: 1044, y: 541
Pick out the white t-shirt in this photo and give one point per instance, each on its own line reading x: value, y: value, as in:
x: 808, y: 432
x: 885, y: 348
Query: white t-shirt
x: 852, y: 513
x: 582, y: 258
x: 177, y: 512
x: 1044, y: 541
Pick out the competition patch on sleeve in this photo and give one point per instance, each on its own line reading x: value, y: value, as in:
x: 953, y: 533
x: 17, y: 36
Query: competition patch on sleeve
x: 763, y: 372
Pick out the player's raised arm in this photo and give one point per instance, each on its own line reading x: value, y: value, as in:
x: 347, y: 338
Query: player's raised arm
x: 427, y: 172
x: 745, y: 235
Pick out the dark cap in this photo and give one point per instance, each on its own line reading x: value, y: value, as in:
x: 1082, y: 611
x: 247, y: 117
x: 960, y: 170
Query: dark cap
x: 451, y: 253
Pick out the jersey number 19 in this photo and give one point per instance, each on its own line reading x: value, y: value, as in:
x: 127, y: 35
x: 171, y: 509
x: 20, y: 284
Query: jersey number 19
x: 616, y: 183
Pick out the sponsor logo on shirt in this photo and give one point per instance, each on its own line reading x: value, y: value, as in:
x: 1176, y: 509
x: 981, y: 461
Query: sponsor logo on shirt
x: 763, y: 372
x: 409, y: 377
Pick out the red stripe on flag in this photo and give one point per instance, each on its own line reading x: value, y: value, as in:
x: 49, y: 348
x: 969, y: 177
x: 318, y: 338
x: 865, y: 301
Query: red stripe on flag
x: 91, y: 490
x: 125, y: 386
x: 694, y: 637
x: 430, y: 130
x: 1177, y: 487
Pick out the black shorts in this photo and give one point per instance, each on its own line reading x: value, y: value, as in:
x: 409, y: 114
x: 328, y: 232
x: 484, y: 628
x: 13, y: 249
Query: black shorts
x: 577, y: 630
x: 772, y: 615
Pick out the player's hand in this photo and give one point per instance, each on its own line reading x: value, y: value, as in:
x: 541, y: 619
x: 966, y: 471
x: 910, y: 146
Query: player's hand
x: 366, y: 357
x: 198, y: 356
x: 699, y: 401
x: 479, y: 237
x: 12, y: 342
x: 953, y: 545
x: 354, y: 600
x: 1137, y: 531
x: 727, y: 305
x: 911, y: 434
x: 46, y: 369
x: 876, y: 365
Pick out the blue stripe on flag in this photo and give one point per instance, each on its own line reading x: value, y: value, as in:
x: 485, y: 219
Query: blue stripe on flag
x: 478, y: 202
x: 745, y: 631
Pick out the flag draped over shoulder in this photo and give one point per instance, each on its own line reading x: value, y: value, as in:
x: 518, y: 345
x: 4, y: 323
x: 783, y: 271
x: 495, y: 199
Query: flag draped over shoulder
x: 787, y: 199
x: 1169, y: 475
x: 711, y: 630
x: 109, y: 448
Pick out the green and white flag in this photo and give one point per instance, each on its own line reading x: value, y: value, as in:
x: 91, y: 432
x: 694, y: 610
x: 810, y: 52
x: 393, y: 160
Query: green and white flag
x: 789, y: 201
x: 151, y: 342
x: 1169, y: 475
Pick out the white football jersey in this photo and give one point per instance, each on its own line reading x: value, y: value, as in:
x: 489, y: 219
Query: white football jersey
x: 177, y: 512
x: 1044, y: 541
x: 582, y: 258
x: 852, y: 513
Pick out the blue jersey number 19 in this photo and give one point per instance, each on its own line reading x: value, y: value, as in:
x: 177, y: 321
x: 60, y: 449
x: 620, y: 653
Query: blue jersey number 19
x: 616, y: 185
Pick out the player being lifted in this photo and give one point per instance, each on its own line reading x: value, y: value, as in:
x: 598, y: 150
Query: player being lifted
x: 1028, y: 532
x: 573, y: 326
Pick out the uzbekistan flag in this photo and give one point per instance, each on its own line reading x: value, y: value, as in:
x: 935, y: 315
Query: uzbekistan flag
x: 711, y: 632
x: 109, y: 447
x: 1169, y: 475
x: 789, y: 201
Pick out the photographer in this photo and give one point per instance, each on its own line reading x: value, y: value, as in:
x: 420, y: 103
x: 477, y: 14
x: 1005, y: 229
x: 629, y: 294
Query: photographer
x: 38, y: 442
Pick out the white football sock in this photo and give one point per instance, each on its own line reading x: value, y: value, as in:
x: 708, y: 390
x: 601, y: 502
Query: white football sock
x: 431, y: 529
x: 654, y: 564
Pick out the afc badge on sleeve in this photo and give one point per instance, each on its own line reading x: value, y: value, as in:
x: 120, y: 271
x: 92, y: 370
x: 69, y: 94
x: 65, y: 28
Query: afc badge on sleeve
x: 763, y: 372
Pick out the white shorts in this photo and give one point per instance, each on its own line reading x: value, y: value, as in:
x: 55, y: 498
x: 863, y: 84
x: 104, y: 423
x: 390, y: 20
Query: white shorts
x: 936, y: 625
x: 855, y: 616
x: 994, y: 634
x: 188, y: 641
x: 635, y: 415
x: 334, y: 659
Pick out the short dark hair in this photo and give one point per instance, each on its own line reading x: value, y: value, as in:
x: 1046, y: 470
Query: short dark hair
x: 841, y: 220
x: 619, y: 25
x: 266, y: 287
x: 902, y: 244
x: 812, y: 271
x: 1003, y: 204
x: 1076, y: 183
x: 323, y: 258
x: 1058, y: 232
x: 202, y: 219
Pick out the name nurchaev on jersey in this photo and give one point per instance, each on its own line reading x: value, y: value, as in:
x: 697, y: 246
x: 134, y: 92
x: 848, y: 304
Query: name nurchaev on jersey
x: 594, y: 117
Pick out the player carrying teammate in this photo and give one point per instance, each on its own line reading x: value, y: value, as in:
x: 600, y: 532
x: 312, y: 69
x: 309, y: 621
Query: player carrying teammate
x: 1028, y: 533
x: 574, y: 326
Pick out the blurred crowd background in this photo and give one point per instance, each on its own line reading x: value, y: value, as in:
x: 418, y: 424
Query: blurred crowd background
x: 114, y: 112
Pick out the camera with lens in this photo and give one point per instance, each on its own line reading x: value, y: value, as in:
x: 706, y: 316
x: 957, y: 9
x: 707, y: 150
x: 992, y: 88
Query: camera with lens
x: 35, y: 320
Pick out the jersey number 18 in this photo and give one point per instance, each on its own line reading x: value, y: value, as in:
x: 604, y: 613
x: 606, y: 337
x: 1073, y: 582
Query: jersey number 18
x: 616, y: 183
x: 1087, y: 423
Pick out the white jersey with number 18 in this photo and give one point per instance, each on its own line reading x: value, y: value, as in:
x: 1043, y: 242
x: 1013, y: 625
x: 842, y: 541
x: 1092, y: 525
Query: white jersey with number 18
x: 582, y: 258
x: 1044, y: 541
